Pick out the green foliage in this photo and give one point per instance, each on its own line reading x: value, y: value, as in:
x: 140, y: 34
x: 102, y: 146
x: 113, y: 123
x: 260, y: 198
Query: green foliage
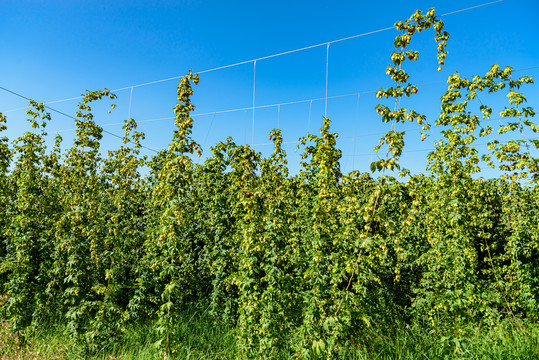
x: 299, y: 265
x: 29, y: 217
x: 395, y: 139
x: 5, y: 194
x: 201, y: 337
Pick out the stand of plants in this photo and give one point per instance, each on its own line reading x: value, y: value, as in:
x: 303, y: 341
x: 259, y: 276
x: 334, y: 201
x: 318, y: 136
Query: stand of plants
x: 309, y: 265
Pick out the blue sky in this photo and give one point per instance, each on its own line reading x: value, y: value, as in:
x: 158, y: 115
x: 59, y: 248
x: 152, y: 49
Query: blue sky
x: 53, y: 50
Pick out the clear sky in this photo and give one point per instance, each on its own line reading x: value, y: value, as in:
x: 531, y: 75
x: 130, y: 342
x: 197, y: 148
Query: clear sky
x: 53, y: 50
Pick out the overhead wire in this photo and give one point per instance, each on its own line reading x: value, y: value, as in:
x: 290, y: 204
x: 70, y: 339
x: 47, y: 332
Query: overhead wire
x: 353, y: 137
x: 431, y: 149
x: 248, y: 108
x: 310, y: 101
x: 327, y: 43
x: 284, y: 103
x: 253, y: 107
x: 74, y: 118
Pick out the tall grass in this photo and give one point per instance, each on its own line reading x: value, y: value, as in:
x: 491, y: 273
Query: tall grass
x: 509, y: 339
x: 199, y: 337
x: 202, y: 337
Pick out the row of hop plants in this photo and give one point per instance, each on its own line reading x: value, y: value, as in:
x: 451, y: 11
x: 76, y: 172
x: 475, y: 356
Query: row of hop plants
x: 299, y: 264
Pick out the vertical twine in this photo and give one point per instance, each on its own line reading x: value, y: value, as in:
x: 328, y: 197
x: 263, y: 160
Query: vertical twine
x: 309, y: 121
x: 327, y: 70
x: 355, y: 133
x: 254, y: 94
x: 130, y: 98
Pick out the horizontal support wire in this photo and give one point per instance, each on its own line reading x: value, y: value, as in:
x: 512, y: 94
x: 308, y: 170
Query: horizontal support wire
x: 367, y: 135
x: 264, y: 57
x: 432, y: 149
x: 283, y: 103
x: 77, y: 119
x: 269, y: 105
x: 278, y: 105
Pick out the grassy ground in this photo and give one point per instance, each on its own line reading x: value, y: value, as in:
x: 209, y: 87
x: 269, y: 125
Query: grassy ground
x: 199, y: 338
x: 508, y: 340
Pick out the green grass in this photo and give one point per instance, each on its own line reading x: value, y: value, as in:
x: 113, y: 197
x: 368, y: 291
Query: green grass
x: 198, y: 337
x: 510, y: 339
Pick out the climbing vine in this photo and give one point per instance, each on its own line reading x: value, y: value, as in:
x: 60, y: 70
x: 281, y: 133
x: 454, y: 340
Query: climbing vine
x: 299, y: 264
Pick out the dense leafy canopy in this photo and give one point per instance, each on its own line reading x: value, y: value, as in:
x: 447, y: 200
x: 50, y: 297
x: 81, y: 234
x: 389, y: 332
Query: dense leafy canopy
x: 300, y: 264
